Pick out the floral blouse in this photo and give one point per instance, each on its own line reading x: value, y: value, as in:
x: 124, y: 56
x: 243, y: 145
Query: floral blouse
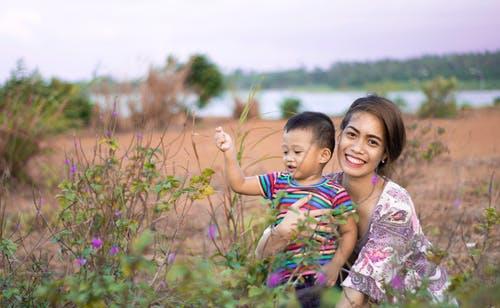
x: 394, y: 250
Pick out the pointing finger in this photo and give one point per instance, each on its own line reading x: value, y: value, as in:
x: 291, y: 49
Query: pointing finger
x: 300, y: 202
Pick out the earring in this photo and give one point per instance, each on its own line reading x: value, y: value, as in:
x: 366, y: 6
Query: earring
x: 383, y: 161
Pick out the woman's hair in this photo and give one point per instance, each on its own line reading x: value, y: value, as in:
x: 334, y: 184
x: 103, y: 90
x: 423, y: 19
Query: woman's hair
x: 390, y: 116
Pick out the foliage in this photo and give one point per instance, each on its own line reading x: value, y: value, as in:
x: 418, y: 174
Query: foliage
x: 107, y: 246
x: 204, y: 79
x: 114, y: 238
x: 289, y: 107
x: 496, y: 101
x: 30, y: 87
x: 30, y: 110
x: 389, y: 74
x: 440, y: 100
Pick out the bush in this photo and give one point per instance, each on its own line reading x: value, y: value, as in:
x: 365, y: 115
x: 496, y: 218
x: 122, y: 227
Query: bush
x: 496, y: 101
x: 30, y: 110
x: 440, y: 100
x: 289, y: 107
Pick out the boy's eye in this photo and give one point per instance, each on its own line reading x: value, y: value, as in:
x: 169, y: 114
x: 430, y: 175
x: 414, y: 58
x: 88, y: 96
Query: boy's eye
x: 285, y: 152
x: 298, y: 152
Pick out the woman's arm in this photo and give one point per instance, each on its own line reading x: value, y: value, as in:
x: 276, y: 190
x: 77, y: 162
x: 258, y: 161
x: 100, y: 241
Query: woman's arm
x: 347, y: 241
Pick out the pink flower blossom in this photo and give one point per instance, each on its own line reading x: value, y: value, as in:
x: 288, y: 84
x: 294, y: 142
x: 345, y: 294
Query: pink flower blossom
x: 114, y: 250
x: 212, y: 232
x: 96, y: 243
x: 397, y: 282
x: 457, y: 203
x: 274, y: 279
x: 171, y: 258
x: 320, y: 278
x: 80, y: 261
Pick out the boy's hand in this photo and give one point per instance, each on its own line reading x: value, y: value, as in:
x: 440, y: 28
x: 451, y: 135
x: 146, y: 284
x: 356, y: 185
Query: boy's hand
x: 222, y: 140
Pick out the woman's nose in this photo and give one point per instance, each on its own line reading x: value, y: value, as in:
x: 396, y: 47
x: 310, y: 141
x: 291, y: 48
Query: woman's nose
x: 357, y: 146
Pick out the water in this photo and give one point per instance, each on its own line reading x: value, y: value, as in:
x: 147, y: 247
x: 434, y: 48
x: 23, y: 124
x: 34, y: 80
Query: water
x: 332, y: 103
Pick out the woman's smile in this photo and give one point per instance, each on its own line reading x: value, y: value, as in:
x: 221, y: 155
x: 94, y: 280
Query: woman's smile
x: 354, y: 161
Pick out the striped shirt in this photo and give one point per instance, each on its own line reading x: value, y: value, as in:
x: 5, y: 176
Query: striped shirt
x: 327, y: 194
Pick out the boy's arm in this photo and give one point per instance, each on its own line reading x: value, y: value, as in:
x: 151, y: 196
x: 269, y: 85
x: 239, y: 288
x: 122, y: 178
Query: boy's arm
x: 347, y: 241
x: 237, y: 180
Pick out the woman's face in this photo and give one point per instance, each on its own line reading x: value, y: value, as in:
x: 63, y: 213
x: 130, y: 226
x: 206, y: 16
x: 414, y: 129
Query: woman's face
x: 361, y: 145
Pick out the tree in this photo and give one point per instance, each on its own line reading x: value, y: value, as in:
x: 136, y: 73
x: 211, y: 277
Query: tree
x: 440, y: 98
x: 289, y: 107
x: 204, y: 79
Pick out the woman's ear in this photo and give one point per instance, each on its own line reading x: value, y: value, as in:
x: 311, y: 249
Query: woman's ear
x: 325, y: 155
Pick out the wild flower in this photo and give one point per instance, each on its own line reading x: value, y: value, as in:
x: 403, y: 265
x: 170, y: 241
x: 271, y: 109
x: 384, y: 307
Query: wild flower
x: 274, y: 279
x: 73, y: 169
x: 96, y: 243
x: 171, y: 258
x: 114, y: 250
x: 397, y: 282
x: 320, y: 278
x: 80, y: 261
x: 212, y: 231
x: 457, y: 202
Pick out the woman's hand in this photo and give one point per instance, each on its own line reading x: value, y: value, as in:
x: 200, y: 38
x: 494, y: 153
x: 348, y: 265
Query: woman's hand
x: 275, y: 239
x: 295, y: 215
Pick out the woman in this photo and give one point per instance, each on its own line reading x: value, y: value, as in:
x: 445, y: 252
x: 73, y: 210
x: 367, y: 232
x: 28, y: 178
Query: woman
x: 391, y: 248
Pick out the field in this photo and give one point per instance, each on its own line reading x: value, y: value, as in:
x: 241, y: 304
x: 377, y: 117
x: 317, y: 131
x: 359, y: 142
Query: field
x: 451, y: 190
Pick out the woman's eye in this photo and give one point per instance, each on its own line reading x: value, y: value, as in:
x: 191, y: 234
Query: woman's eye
x: 372, y: 142
x: 350, y: 134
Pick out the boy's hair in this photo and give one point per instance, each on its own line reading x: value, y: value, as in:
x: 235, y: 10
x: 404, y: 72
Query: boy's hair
x: 318, y: 123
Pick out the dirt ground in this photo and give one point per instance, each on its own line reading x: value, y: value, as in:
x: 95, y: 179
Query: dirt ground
x: 473, y: 140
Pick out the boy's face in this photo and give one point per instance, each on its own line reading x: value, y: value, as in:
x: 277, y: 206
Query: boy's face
x: 301, y: 156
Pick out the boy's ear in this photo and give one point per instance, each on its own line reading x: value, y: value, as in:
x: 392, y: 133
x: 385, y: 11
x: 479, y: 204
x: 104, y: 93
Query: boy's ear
x: 325, y: 155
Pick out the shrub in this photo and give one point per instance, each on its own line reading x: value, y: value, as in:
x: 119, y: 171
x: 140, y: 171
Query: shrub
x: 289, y: 107
x: 496, y: 101
x: 440, y: 100
x: 30, y: 110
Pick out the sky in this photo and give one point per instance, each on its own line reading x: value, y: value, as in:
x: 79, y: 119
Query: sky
x: 74, y: 40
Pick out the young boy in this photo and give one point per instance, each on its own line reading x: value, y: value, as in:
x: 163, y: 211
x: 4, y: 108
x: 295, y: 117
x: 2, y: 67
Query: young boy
x: 308, y: 143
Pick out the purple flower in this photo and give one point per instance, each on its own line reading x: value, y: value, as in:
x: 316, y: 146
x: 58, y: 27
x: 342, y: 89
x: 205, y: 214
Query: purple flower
x: 118, y: 213
x: 114, y: 250
x: 108, y: 133
x: 320, y: 278
x: 114, y: 114
x: 72, y: 170
x: 139, y: 136
x: 274, y: 279
x: 171, y: 258
x: 374, y: 179
x: 212, y: 232
x: 67, y: 162
x: 397, y: 282
x: 96, y: 243
x: 457, y: 203
x: 80, y: 261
